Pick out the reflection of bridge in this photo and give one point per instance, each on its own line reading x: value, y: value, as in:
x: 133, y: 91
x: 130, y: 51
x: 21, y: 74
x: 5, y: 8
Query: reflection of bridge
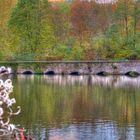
x: 74, y: 67
x: 108, y: 81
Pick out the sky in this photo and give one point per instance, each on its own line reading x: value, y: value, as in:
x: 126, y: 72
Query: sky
x: 105, y: 1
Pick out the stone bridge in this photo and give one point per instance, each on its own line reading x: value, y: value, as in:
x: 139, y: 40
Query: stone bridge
x: 74, y: 67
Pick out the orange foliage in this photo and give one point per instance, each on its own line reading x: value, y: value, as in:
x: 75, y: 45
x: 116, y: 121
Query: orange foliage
x: 81, y: 15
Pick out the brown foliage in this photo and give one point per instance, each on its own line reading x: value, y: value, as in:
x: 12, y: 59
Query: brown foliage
x: 81, y: 16
x: 89, y: 18
x: 5, y: 10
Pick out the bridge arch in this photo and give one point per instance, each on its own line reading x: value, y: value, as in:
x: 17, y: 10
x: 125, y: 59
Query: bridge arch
x: 75, y: 73
x: 132, y: 73
x: 102, y: 73
x: 27, y: 72
x: 49, y: 72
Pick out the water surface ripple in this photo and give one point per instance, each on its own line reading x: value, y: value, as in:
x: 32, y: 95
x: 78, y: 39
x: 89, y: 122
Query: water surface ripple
x: 79, y: 107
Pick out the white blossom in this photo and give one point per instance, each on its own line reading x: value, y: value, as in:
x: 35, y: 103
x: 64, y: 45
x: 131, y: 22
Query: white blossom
x: 5, y: 104
x: 1, y: 111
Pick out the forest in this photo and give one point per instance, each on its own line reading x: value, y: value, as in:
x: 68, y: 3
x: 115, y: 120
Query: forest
x: 69, y: 30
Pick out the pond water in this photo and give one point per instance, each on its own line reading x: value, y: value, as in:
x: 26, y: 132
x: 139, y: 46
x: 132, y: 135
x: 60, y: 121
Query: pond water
x: 78, y: 107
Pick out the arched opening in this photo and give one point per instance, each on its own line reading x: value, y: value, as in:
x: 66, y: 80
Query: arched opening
x: 28, y: 72
x: 132, y: 73
x: 50, y: 73
x: 76, y: 73
x: 102, y: 73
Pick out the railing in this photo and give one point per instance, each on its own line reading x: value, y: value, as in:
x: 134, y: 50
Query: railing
x: 86, y: 61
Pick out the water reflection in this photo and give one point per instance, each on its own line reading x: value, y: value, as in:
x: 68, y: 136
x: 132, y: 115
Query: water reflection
x: 115, y: 81
x: 79, y: 107
x: 107, y: 131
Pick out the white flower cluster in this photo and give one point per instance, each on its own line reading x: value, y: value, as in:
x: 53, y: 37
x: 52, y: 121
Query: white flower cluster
x: 4, y: 70
x: 6, y: 88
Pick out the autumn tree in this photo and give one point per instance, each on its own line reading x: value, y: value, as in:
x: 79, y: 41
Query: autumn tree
x: 136, y: 22
x: 5, y: 36
x: 76, y: 30
x: 123, y: 31
x: 81, y: 18
x: 28, y: 22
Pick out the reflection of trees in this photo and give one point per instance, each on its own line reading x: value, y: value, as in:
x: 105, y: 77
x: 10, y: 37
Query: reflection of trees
x: 110, y: 81
x: 47, y: 102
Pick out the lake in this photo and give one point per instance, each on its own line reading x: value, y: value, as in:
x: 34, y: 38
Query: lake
x: 78, y: 107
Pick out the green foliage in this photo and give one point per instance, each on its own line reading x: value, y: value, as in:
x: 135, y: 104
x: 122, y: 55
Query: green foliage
x: 28, y: 23
x: 39, y: 30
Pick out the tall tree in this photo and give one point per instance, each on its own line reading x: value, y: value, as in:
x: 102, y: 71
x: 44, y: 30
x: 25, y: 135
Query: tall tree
x: 5, y: 36
x: 28, y: 21
x: 136, y: 21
